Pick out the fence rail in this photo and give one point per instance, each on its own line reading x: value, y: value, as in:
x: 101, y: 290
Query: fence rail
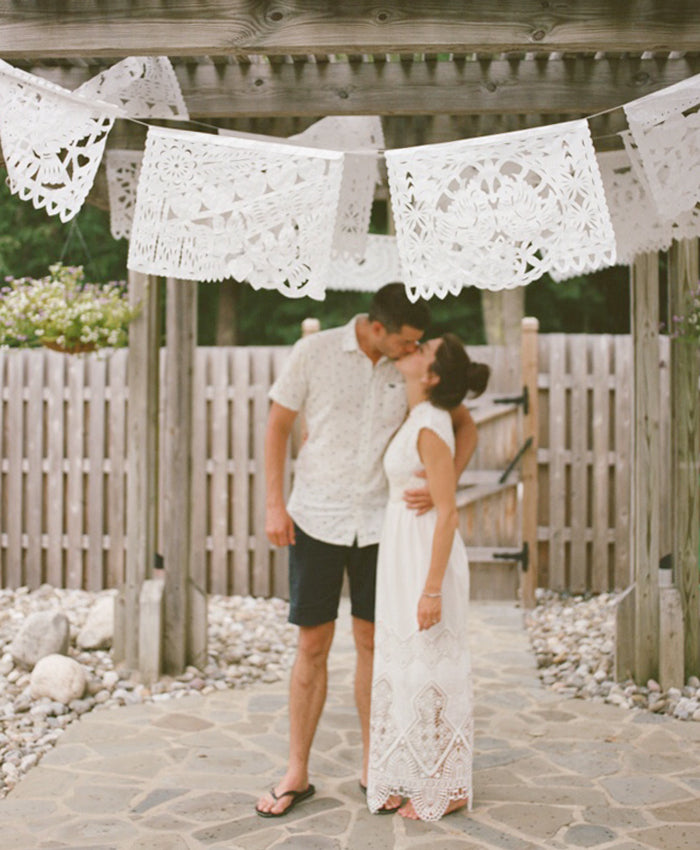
x: 64, y: 459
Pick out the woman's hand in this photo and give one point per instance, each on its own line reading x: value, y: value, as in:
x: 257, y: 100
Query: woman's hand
x: 429, y: 611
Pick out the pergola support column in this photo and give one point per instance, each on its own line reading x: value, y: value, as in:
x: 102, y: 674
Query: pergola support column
x: 646, y: 467
x: 142, y: 487
x: 685, y: 451
x: 184, y: 633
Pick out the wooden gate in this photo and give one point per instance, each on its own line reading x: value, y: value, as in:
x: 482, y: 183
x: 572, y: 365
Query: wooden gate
x: 497, y: 493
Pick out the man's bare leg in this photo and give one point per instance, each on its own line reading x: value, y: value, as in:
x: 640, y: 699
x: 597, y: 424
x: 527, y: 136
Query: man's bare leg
x: 307, y: 695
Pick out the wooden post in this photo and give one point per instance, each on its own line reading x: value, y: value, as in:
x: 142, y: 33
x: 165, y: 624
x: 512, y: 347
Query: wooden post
x: 181, y: 317
x: 644, y: 544
x: 142, y: 441
x: 685, y: 450
x: 529, y: 365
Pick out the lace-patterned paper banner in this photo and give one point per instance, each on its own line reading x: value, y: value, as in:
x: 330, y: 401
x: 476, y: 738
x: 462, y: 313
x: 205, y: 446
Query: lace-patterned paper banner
x: 380, y: 265
x: 210, y: 207
x: 636, y: 222
x: 499, y: 212
x: 668, y: 142
x: 144, y: 86
x: 52, y: 141
x: 123, y: 168
x: 360, y: 174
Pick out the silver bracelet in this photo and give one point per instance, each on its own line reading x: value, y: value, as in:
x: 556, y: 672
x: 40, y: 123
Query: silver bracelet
x: 432, y: 595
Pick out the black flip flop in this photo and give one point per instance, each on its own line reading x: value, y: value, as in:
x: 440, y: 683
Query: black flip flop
x: 390, y: 811
x: 297, y: 797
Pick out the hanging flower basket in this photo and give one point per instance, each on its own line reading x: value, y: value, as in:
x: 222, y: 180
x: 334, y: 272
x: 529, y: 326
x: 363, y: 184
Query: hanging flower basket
x: 63, y: 313
x: 77, y: 348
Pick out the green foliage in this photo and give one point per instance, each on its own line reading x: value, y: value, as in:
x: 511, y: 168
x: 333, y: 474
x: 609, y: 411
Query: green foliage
x: 687, y: 326
x: 63, y: 311
x: 31, y: 241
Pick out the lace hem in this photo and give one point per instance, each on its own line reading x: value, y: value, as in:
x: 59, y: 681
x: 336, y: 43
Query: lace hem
x: 427, y: 758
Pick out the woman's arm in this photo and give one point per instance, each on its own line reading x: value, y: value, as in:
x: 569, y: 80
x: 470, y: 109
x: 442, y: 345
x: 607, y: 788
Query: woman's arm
x: 440, y: 472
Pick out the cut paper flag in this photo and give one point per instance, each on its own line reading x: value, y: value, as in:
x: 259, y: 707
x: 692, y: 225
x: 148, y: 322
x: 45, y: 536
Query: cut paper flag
x: 500, y: 211
x: 123, y: 168
x: 210, y: 207
x: 52, y: 141
x: 380, y: 265
x: 352, y: 134
x: 666, y: 134
x: 144, y: 86
x: 362, y: 136
x: 635, y: 218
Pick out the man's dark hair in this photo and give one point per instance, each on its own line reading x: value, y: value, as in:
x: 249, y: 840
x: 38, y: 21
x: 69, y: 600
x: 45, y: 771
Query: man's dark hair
x: 392, y: 307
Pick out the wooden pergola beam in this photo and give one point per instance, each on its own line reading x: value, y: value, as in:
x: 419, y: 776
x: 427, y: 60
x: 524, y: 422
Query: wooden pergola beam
x: 92, y: 27
x: 564, y: 86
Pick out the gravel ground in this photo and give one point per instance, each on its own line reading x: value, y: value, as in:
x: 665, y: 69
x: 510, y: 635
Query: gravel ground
x: 573, y: 638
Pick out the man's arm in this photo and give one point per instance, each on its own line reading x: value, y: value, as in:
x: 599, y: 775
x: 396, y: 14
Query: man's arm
x: 466, y: 438
x: 279, y: 526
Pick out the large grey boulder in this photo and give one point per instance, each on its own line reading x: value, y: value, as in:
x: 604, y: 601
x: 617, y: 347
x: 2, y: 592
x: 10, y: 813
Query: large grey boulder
x: 98, y: 631
x: 42, y: 633
x: 59, y: 678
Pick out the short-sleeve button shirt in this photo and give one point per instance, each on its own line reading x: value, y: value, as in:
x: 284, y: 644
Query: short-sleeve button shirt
x: 352, y: 408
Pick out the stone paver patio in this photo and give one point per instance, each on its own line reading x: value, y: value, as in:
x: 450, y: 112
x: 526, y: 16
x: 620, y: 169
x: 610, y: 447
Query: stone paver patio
x: 185, y: 774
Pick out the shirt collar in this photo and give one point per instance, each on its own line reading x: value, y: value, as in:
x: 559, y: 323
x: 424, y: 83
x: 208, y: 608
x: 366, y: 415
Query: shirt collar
x: 350, y: 342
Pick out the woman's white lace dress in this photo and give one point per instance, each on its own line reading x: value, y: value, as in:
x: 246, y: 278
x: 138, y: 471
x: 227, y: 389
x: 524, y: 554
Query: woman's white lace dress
x: 421, y: 734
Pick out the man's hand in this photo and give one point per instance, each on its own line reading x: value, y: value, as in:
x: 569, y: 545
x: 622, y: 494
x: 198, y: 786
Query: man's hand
x: 279, y: 526
x: 418, y: 499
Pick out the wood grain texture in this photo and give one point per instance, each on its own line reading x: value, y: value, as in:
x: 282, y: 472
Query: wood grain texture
x: 685, y: 450
x: 572, y: 85
x: 646, y: 463
x: 90, y: 27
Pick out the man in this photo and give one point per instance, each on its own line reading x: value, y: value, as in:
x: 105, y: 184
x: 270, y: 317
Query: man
x: 353, y: 400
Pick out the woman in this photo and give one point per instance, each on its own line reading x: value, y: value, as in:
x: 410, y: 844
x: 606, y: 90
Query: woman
x: 421, y: 716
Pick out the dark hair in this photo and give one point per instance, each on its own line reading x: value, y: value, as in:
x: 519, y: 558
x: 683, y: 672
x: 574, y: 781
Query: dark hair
x: 392, y: 307
x: 458, y: 374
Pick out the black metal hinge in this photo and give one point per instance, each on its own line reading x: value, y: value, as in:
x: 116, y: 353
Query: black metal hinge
x: 522, y: 557
x: 523, y: 399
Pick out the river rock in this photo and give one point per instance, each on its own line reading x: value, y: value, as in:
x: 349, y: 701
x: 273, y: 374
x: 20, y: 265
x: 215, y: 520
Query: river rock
x: 59, y: 678
x: 98, y: 631
x: 42, y: 633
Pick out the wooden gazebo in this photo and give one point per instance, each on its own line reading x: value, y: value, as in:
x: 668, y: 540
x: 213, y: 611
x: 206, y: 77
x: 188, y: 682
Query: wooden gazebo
x: 434, y: 72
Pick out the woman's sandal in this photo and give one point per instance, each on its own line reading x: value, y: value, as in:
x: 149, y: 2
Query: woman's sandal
x: 297, y: 797
x: 383, y: 811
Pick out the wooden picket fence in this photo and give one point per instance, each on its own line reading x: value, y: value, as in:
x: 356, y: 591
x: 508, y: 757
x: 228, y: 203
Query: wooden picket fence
x: 63, y: 464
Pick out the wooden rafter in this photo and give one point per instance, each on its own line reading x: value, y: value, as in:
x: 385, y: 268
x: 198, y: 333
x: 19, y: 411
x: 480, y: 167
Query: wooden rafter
x: 573, y: 85
x: 90, y: 27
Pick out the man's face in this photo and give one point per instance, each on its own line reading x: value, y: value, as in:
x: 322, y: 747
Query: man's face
x: 397, y: 345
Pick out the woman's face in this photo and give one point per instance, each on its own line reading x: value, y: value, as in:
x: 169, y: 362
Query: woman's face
x: 417, y: 364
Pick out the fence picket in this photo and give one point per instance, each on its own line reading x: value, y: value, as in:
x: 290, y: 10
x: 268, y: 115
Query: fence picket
x: 623, y: 448
x: 74, y: 485
x: 219, y: 486
x: 115, y: 513
x: 600, y: 416
x: 15, y: 458
x: 240, y: 424
x: 55, y: 450
x: 557, y: 433
x: 262, y: 364
x: 34, y: 491
x: 94, y: 521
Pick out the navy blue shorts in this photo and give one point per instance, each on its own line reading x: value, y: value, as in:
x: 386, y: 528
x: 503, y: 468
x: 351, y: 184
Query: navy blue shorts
x: 316, y: 571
